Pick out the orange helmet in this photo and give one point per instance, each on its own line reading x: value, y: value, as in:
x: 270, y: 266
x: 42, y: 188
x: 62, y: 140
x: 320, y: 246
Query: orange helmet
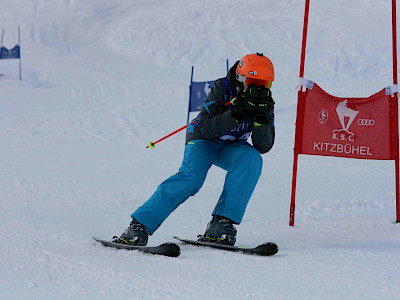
x: 257, y: 69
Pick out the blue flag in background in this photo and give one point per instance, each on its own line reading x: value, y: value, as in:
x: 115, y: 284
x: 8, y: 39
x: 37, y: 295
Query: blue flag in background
x: 10, y: 53
x: 198, y: 93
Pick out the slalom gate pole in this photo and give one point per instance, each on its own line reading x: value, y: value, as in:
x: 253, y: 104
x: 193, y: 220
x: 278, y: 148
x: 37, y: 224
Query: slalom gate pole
x: 19, y: 43
x: 2, y: 37
x: 298, y: 133
x: 396, y: 129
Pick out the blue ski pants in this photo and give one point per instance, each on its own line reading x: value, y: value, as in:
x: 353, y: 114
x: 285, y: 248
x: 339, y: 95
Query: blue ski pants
x: 242, y: 162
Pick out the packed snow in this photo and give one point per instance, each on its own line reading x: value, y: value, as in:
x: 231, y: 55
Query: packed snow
x: 102, y: 78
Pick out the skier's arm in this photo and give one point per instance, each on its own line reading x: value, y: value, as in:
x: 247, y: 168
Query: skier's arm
x: 263, y: 136
x: 215, y: 119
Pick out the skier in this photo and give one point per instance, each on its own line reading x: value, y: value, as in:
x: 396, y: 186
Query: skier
x: 239, y: 105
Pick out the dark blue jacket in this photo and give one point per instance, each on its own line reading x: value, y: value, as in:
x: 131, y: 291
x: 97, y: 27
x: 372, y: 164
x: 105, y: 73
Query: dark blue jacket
x: 215, y: 120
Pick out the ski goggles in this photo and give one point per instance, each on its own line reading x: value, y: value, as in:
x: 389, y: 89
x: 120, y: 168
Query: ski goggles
x: 247, y: 81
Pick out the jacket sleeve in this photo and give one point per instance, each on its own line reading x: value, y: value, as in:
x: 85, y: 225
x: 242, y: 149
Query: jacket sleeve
x: 263, y: 137
x: 215, y: 119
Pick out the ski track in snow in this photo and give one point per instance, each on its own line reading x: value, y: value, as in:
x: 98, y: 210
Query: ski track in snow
x: 100, y: 79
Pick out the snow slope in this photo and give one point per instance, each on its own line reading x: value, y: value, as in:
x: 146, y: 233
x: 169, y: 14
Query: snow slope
x: 102, y: 78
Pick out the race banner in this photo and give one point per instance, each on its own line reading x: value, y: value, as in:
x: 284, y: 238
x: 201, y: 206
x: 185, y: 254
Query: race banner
x: 345, y: 127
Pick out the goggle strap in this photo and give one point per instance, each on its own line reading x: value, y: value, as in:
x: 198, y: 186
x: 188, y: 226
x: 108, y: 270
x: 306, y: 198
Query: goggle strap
x: 240, y: 78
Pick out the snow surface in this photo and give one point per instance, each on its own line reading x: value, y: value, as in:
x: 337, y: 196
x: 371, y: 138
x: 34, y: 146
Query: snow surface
x: 102, y: 78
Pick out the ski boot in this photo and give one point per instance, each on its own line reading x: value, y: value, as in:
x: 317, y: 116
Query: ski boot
x: 136, y: 234
x: 220, y: 230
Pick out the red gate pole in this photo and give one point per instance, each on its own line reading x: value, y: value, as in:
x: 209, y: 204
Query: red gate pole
x: 396, y: 125
x: 294, y: 179
x: 296, y: 142
x: 304, y: 42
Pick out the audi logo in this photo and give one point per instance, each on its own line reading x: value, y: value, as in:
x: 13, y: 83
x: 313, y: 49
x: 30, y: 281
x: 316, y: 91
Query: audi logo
x: 366, y: 122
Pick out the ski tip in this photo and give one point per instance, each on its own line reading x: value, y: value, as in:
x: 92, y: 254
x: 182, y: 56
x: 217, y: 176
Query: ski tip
x: 99, y: 240
x: 267, y: 249
x: 171, y: 249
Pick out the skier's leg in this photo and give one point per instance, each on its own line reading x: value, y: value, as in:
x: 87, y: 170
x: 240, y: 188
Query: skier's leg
x: 244, y: 164
x: 198, y: 158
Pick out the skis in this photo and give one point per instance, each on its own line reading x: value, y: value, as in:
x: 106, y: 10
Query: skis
x: 266, y: 249
x: 166, y: 249
x: 173, y: 250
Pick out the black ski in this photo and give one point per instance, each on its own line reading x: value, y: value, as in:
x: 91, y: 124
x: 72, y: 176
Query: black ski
x: 166, y: 249
x: 266, y: 249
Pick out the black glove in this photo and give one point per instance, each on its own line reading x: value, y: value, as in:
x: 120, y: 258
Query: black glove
x: 265, y: 111
x: 266, y: 118
x: 255, y: 99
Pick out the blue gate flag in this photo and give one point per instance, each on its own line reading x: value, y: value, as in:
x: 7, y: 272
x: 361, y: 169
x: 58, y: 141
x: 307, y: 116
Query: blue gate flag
x: 198, y: 93
x: 10, y: 53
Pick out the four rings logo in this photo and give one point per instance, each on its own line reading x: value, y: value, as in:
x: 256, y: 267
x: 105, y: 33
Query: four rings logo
x: 366, y: 122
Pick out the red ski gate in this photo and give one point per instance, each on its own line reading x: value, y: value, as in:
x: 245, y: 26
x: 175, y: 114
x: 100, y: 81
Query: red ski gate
x: 346, y: 127
x: 362, y: 128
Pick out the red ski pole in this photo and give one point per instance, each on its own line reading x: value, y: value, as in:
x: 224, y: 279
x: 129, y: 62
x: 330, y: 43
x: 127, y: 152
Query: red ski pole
x: 153, y: 144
